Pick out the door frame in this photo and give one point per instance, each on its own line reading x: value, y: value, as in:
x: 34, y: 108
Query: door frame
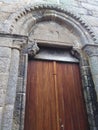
x: 41, y: 60
x: 30, y: 50
x: 87, y: 83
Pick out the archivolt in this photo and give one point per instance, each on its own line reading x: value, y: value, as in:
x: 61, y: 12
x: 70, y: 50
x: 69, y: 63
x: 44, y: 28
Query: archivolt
x: 39, y: 13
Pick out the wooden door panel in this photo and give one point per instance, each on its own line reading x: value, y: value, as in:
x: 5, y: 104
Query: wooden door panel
x: 72, y: 111
x: 41, y: 103
x: 54, y: 98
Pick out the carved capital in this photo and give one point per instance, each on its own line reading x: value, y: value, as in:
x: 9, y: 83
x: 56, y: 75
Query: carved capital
x: 75, y: 53
x: 18, y: 43
x: 91, y: 50
x: 32, y: 49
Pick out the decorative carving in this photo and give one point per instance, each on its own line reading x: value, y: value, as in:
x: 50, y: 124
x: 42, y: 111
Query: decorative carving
x: 32, y: 49
x: 11, y: 22
x: 91, y: 50
x: 75, y: 53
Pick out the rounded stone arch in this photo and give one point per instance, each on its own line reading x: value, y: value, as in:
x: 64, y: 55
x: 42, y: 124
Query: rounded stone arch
x: 23, y: 20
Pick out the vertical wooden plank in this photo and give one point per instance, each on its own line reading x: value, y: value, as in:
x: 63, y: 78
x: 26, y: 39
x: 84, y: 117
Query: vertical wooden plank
x: 64, y: 83
x: 41, y: 100
x: 72, y: 110
x: 59, y: 78
x: 56, y: 93
x: 27, y: 96
x: 31, y: 101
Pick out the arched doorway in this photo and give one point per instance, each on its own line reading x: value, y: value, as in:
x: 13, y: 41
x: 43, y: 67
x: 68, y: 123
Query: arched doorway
x: 76, y: 34
x: 54, y: 93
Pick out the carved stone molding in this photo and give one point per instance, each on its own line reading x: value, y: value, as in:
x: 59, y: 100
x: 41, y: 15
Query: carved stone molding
x: 18, y: 43
x: 15, y: 17
x: 91, y: 50
x: 76, y: 53
x: 12, y: 41
x: 32, y: 49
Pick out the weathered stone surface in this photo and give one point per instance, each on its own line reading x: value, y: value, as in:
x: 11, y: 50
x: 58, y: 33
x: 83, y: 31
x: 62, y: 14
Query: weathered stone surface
x: 7, y: 117
x: 79, y: 10
x: 6, y: 42
x: 2, y: 96
x: 94, y: 65
x: 5, y: 52
x: 92, y: 2
x: 91, y: 50
x: 4, y: 65
x: 13, y: 76
x: 32, y: 49
x: 96, y: 32
x: 94, y: 70
x: 90, y: 6
x: 92, y: 21
x: 3, y: 15
x: 19, y: 111
x: 51, y: 31
x: 96, y: 117
x: 3, y: 80
x: 93, y: 128
x: 20, y: 101
x: 1, y: 112
x: 85, y: 70
x: 96, y: 79
x: 8, y: 8
x: 67, y: 2
x: 20, y: 84
x: 95, y: 13
x: 95, y: 29
x: 16, y: 125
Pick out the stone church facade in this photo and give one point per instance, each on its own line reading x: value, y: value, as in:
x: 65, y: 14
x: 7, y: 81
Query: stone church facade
x: 25, y: 26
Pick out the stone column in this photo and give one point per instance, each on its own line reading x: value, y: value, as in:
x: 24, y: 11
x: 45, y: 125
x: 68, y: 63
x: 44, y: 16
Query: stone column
x: 11, y: 91
x: 9, y: 62
x: 19, y: 111
x: 88, y: 87
x: 92, y: 52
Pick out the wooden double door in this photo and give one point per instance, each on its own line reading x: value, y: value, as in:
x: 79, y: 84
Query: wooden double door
x: 54, y: 98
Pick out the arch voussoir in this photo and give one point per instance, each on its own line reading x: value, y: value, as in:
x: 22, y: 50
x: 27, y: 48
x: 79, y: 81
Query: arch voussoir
x: 16, y: 17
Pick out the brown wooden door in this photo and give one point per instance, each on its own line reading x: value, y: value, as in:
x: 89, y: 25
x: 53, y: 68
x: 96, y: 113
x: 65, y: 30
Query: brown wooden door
x: 54, y: 98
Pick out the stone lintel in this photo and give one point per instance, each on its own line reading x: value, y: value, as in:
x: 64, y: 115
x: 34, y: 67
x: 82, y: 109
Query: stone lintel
x: 91, y: 49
